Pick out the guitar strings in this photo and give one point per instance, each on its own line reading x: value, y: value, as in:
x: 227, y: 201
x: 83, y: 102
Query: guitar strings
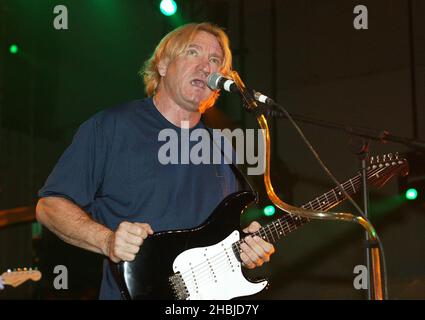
x: 322, y: 200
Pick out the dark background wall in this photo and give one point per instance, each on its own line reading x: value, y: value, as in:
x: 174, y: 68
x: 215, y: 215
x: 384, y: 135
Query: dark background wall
x: 306, y: 54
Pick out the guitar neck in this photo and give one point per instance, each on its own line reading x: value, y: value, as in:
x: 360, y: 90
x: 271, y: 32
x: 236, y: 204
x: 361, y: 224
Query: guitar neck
x: 290, y: 222
x: 377, y: 174
x: 279, y: 228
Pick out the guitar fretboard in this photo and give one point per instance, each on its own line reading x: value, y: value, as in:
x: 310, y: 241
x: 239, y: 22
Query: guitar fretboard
x: 291, y: 222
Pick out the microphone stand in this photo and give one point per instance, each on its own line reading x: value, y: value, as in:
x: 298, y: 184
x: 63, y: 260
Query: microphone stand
x: 365, y: 134
x: 373, y: 134
x: 360, y: 147
x: 251, y: 105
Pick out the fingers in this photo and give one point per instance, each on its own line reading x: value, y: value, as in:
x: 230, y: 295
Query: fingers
x: 137, y: 229
x: 253, y: 227
x: 266, y: 249
x: 127, y: 239
x: 249, y: 257
x: 255, y: 252
x: 145, y: 226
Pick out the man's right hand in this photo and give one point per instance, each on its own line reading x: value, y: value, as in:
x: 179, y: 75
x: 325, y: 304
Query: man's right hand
x: 125, y: 242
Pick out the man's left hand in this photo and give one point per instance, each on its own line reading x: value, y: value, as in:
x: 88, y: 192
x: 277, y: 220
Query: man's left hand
x: 255, y: 251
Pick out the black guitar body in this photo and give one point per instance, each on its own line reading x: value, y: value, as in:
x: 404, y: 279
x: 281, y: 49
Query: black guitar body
x: 148, y: 275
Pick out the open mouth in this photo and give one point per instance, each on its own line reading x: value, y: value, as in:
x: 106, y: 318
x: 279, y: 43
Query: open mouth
x: 198, y: 83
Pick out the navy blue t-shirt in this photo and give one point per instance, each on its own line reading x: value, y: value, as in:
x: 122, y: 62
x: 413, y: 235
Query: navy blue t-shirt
x: 111, y: 170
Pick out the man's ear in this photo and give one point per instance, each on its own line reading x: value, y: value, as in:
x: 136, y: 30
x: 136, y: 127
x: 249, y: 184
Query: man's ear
x: 162, y: 67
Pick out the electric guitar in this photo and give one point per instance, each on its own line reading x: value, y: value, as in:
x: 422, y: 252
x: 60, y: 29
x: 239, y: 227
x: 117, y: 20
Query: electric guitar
x: 204, y: 263
x: 19, y: 276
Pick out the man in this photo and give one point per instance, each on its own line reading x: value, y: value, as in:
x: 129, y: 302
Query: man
x: 108, y: 192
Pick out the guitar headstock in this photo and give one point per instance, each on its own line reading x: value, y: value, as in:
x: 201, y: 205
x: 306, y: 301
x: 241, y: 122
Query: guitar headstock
x: 383, y: 167
x: 17, y: 277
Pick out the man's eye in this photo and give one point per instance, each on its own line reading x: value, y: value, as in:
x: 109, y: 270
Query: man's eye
x: 215, y: 61
x: 192, y: 52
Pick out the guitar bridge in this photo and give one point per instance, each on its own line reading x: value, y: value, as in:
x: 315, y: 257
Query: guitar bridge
x: 178, y: 286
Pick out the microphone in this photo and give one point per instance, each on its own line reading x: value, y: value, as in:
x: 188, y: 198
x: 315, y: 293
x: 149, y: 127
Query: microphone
x: 217, y: 81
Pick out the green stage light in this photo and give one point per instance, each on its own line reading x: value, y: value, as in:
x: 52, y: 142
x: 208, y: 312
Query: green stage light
x: 269, y: 210
x: 168, y: 7
x: 411, y: 194
x: 13, y: 49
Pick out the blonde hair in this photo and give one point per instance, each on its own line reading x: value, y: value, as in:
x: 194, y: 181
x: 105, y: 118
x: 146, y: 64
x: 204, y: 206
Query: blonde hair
x: 174, y: 44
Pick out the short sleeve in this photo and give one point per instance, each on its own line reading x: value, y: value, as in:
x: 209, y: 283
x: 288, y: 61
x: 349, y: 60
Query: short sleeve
x: 79, y: 172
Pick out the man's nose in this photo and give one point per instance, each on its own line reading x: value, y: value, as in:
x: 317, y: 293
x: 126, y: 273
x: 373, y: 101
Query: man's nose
x: 205, y: 67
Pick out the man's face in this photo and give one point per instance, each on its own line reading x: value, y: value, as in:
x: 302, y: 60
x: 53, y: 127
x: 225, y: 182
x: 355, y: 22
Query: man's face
x: 184, y: 80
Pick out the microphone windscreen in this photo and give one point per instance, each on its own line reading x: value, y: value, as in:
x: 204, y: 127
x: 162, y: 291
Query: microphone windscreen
x: 212, y: 80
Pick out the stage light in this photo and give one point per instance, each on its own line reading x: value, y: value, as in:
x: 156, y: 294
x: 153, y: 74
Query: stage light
x: 168, y: 7
x: 13, y: 49
x: 269, y: 210
x: 411, y: 194
x: 412, y: 186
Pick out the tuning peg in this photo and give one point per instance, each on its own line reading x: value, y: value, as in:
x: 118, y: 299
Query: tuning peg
x: 371, y: 160
x: 384, y: 158
x: 390, y: 156
x: 396, y: 155
x: 377, y: 159
x: 8, y: 270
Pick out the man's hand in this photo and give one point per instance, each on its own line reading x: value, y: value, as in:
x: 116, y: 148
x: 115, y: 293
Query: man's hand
x: 125, y: 242
x: 255, y: 251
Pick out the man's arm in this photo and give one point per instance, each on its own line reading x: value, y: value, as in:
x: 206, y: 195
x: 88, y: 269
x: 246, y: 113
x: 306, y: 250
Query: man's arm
x: 74, y: 226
